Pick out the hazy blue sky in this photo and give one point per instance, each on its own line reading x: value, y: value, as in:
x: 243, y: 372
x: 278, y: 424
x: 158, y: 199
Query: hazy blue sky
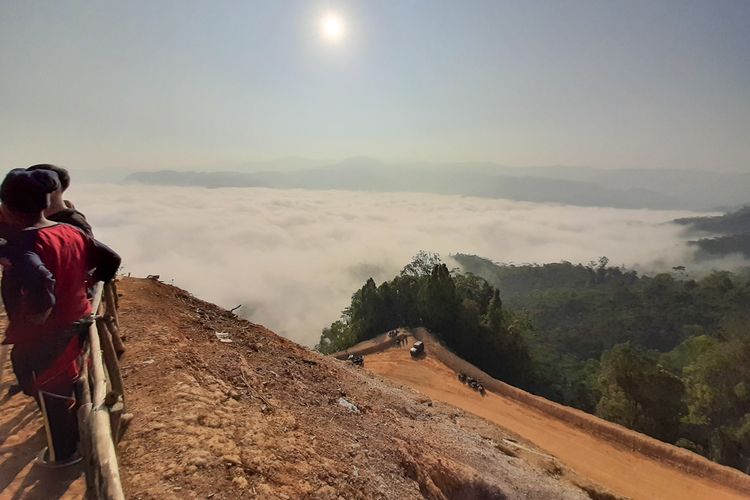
x: 148, y: 84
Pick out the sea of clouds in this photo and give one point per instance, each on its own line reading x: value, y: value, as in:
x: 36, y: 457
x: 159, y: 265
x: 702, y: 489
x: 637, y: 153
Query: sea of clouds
x: 293, y: 258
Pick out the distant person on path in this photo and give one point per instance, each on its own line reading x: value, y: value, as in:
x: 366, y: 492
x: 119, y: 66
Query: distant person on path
x: 45, y: 278
x: 61, y: 210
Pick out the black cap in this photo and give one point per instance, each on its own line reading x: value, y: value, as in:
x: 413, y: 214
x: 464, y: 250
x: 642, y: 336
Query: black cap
x: 62, y: 174
x: 26, y: 191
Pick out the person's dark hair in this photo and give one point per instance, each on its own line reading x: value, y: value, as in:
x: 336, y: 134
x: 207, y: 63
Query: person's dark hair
x: 62, y: 173
x: 26, y: 191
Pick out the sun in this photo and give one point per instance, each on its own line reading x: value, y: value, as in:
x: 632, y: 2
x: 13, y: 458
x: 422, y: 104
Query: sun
x: 331, y: 27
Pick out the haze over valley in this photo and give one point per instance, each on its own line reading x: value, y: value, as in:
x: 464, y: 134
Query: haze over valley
x: 293, y: 258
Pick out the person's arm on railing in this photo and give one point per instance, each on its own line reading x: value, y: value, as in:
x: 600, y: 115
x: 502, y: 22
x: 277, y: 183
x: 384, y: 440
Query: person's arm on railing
x: 104, y: 261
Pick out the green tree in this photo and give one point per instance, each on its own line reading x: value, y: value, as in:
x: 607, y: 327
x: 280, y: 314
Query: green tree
x: 639, y: 393
x: 337, y: 337
x: 495, y: 318
x: 406, y: 289
x: 718, y: 387
x: 368, y: 313
x: 438, y: 305
x: 472, y: 287
x: 421, y: 264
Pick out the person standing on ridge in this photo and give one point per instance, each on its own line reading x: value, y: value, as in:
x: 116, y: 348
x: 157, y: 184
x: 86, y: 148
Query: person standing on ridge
x: 44, y: 288
x: 60, y: 209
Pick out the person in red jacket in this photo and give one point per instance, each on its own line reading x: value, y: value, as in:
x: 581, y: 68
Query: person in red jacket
x: 47, y: 271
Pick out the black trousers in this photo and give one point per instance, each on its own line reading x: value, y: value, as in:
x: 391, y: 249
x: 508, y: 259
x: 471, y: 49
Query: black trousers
x: 61, y: 424
x: 58, y: 403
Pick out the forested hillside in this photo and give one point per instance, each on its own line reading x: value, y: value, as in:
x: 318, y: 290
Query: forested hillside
x: 729, y: 223
x: 662, y: 354
x: 463, y: 310
x: 730, y: 233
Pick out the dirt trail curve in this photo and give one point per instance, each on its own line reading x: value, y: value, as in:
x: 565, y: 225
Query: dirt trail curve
x: 612, y: 465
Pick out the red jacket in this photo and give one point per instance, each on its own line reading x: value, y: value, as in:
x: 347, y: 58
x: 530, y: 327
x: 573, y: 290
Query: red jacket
x: 50, y: 268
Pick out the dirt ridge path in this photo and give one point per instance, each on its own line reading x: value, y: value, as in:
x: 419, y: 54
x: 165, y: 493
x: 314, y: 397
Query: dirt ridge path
x: 622, y: 471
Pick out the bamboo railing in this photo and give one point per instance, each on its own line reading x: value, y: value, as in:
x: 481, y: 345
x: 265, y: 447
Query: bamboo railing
x: 102, y: 399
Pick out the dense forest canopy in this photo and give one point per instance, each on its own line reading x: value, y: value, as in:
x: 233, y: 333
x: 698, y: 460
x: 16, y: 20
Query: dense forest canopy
x: 663, y: 354
x: 730, y: 233
x: 720, y: 246
x: 463, y: 310
x: 729, y: 223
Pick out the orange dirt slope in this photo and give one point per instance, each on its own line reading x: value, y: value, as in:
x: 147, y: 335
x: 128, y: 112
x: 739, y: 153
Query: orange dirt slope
x: 262, y: 417
x: 618, y: 469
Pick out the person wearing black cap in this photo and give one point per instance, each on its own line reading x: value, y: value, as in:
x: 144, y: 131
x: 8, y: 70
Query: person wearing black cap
x: 60, y: 209
x: 44, y: 288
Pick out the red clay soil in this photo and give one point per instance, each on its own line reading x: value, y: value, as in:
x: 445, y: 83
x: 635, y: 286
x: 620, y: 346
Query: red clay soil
x: 262, y: 417
x: 617, y: 468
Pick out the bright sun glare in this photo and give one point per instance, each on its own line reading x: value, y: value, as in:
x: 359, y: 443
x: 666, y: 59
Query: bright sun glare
x: 331, y: 27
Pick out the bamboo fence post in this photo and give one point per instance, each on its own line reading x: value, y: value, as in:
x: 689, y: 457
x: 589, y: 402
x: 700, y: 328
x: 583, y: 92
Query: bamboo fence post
x: 106, y: 475
x: 114, y: 332
x: 84, y: 413
x: 111, y: 302
x: 116, y: 394
x: 112, y: 317
x: 113, y: 284
x: 110, y: 357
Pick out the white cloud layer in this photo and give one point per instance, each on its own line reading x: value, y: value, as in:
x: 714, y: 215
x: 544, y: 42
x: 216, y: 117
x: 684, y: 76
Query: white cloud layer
x: 293, y: 258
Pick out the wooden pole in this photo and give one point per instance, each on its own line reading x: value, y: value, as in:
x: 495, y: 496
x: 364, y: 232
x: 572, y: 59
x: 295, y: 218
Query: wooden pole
x: 113, y: 284
x: 111, y: 361
x: 112, y: 317
x: 97, y: 366
x: 111, y: 302
x: 115, y: 335
x: 84, y: 414
x: 110, y: 357
x: 116, y: 396
x: 106, y: 472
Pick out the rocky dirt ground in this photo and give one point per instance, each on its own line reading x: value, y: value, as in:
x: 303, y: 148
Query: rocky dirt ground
x: 263, y: 417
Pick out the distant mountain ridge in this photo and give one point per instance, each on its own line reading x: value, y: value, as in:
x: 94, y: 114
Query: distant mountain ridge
x: 582, y: 186
x: 729, y: 223
x: 452, y: 183
x: 731, y: 233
